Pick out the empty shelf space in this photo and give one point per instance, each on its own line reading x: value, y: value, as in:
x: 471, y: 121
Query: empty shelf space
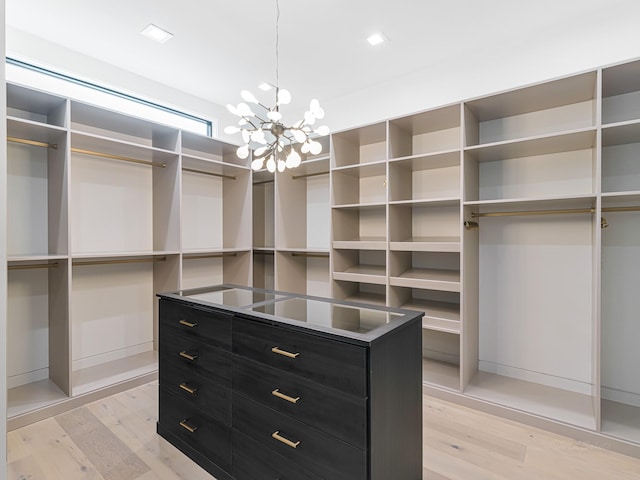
x: 441, y: 316
x: 428, y: 278
x: 361, y: 145
x: 20, y: 129
x: 360, y: 266
x: 372, y: 298
x: 440, y: 374
x: 541, y: 400
x: 621, y: 420
x: 621, y: 93
x: 364, y: 243
x: 36, y: 106
x: 33, y: 396
x: 110, y: 373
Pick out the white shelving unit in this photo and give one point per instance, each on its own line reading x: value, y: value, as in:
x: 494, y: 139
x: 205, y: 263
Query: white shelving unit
x: 106, y: 210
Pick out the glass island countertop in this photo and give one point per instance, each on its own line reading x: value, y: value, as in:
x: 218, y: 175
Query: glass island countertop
x: 355, y: 320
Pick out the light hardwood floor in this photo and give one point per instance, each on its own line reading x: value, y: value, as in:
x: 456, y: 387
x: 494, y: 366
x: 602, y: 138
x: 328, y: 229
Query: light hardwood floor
x: 115, y: 439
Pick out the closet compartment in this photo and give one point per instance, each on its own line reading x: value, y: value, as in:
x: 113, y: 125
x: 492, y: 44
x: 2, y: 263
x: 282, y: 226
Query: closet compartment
x: 441, y: 359
x: 123, y: 197
x: 621, y: 158
x: 36, y: 107
x: 441, y: 309
x: 426, y: 270
x: 101, y: 123
x: 216, y: 206
x: 621, y: 93
x: 37, y: 190
x: 547, y: 167
x: 427, y: 177
x: 38, y: 351
x: 363, y: 228
x: 360, y: 292
x: 425, y: 133
x: 305, y: 272
x: 200, y: 270
x: 366, y: 266
x: 361, y: 145
x: 114, y: 318
x: 263, y: 209
x: 425, y: 226
x: 363, y: 185
x: 264, y: 269
x: 303, y: 208
x: 532, y: 323
x: 549, y: 108
x: 206, y: 148
x: 620, y: 329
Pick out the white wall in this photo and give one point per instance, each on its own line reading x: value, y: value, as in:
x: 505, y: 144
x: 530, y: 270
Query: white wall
x: 3, y: 256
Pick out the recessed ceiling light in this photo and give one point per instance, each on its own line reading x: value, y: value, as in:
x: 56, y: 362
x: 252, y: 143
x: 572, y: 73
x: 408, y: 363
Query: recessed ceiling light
x: 375, y: 39
x: 265, y: 87
x: 156, y: 33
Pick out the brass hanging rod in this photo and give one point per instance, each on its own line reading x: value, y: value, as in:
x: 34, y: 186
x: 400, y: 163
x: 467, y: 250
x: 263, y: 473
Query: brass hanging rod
x: 566, y: 211
x: 32, y: 266
x: 212, y: 255
x: 309, y: 254
x: 295, y: 177
x: 263, y: 181
x: 193, y: 170
x: 117, y: 157
x: 554, y: 212
x: 119, y: 261
x: 263, y: 252
x: 32, y: 142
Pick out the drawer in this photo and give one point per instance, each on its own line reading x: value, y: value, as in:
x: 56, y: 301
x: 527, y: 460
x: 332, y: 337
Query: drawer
x: 251, y: 461
x: 329, y: 362
x: 204, y: 359
x: 326, y: 409
x: 213, y: 326
x: 213, y: 397
x: 313, y: 450
x: 208, y: 436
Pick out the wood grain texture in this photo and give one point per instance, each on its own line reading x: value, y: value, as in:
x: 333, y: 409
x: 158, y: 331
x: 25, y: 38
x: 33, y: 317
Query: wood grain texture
x: 458, y: 444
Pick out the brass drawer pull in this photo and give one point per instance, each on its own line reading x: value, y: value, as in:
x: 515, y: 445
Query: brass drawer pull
x: 277, y: 393
x: 184, y: 354
x: 188, y: 324
x: 191, y: 428
x: 284, y: 352
x: 188, y: 389
x: 286, y: 441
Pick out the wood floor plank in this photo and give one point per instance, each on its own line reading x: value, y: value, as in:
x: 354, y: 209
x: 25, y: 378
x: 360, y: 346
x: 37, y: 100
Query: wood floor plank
x: 459, y: 443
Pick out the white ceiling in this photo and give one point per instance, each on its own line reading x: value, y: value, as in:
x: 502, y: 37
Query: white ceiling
x: 221, y: 47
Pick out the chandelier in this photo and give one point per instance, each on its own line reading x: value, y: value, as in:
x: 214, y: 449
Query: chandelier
x: 276, y: 144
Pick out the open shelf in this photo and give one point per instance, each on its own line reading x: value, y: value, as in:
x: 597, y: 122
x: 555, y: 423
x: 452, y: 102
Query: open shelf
x: 360, y: 228
x: 425, y: 177
x: 541, y: 167
x: 557, y: 404
x: 621, y: 93
x: 362, y: 185
x: 367, y: 266
x: 560, y: 105
x: 360, y: 292
x: 620, y: 153
x: 441, y: 359
x: 425, y: 133
x: 621, y: 420
x: 426, y: 270
x: 441, y: 309
x: 203, y: 148
x: 361, y: 145
x: 98, y: 122
x: 36, y: 106
x: 33, y: 396
x: 425, y: 227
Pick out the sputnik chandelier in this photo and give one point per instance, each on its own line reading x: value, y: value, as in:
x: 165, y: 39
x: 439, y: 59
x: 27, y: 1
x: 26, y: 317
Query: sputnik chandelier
x: 276, y: 144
